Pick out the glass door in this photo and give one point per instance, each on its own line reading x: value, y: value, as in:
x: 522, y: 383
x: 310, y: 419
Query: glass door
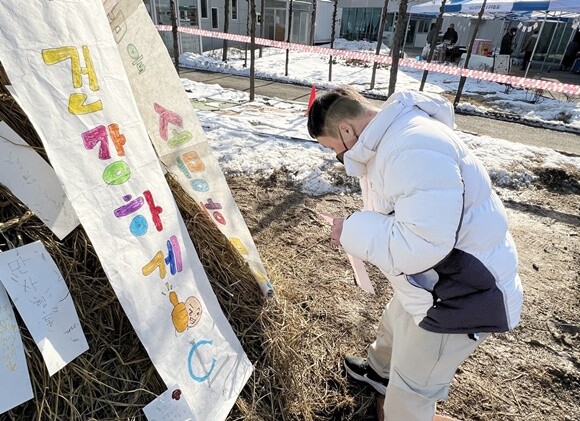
x: 162, y: 12
x: 275, y: 24
x: 410, y: 39
x: 188, y: 16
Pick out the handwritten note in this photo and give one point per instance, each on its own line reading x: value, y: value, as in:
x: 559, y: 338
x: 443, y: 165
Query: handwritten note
x: 14, y: 380
x: 361, y: 275
x: 43, y: 300
x: 169, y: 406
x: 34, y: 182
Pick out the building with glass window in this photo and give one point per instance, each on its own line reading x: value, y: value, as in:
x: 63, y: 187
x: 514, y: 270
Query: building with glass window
x: 356, y: 20
x: 203, y: 14
x: 210, y: 14
x: 360, y: 20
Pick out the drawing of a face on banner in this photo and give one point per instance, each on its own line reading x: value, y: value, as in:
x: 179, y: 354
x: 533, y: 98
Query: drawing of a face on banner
x: 173, y: 127
x: 185, y: 314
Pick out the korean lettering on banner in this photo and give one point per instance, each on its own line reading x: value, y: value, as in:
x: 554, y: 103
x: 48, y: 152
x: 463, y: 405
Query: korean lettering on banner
x: 123, y: 185
x: 189, y: 162
x: 108, y: 142
x: 71, y: 82
x: 174, y: 129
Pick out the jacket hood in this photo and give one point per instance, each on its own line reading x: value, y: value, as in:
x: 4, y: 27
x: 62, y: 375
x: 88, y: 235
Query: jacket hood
x: 398, y: 104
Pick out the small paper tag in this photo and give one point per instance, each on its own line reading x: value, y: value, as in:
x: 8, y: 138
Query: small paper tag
x: 361, y: 275
x: 171, y: 405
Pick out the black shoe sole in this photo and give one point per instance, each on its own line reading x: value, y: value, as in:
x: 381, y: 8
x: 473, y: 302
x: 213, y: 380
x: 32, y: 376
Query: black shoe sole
x: 379, y: 387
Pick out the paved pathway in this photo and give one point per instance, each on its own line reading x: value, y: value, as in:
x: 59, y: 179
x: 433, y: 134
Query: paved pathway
x: 567, y: 143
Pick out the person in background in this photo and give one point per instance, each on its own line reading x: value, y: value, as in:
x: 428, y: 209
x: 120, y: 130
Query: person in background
x: 450, y: 35
x: 572, y: 51
x: 434, y: 226
x: 507, y: 42
x: 529, y: 49
x: 431, y: 34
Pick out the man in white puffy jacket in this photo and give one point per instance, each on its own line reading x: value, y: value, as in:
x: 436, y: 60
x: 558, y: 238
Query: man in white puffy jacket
x: 433, y: 225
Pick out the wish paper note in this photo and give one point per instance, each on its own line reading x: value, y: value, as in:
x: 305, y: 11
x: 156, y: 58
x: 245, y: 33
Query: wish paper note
x: 361, y: 275
x: 14, y: 380
x: 44, y: 302
x: 34, y: 182
x: 169, y: 406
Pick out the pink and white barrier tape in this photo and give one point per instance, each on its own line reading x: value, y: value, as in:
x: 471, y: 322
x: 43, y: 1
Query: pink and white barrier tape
x: 547, y: 85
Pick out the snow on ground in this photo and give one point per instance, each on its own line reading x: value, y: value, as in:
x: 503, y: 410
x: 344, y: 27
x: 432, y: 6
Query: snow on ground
x: 308, y: 69
x: 269, y: 135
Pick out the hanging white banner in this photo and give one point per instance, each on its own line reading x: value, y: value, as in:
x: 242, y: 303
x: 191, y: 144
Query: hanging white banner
x: 70, y: 81
x: 174, y: 128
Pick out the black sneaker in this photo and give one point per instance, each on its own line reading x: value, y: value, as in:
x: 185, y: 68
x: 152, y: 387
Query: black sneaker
x: 359, y: 369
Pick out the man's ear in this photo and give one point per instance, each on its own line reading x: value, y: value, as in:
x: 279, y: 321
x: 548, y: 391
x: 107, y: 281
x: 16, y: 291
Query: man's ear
x: 346, y: 127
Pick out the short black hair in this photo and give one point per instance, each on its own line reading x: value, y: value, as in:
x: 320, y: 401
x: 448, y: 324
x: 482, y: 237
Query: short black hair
x: 319, y: 110
x: 333, y: 106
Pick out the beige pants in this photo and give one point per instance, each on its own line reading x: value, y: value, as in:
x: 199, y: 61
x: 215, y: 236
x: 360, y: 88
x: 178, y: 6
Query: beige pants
x: 420, y: 364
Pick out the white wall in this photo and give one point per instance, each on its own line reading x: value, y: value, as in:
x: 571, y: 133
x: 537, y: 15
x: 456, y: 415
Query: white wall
x: 323, y: 29
x: 237, y: 26
x: 420, y: 40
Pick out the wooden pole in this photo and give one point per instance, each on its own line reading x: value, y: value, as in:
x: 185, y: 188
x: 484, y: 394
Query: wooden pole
x: 379, y: 40
x: 174, y: 32
x: 397, y: 42
x: 252, y: 48
x: 468, y: 55
x: 332, y: 34
x: 312, y: 22
x: 226, y: 29
x: 262, y: 10
x: 289, y: 37
x: 433, y: 43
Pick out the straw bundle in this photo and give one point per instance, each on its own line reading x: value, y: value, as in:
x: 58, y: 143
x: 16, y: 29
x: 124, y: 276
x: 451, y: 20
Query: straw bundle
x: 115, y: 378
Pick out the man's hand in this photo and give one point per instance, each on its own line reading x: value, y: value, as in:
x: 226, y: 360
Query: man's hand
x: 336, y: 231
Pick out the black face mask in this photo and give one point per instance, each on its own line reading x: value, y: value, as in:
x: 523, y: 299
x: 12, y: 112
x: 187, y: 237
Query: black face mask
x: 340, y: 155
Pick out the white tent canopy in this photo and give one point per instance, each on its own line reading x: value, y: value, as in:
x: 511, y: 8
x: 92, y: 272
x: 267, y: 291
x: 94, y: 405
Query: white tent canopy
x: 503, y: 8
x: 498, y: 6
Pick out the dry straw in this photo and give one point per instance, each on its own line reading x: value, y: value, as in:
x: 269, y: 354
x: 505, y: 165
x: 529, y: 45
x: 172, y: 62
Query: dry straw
x: 296, y: 375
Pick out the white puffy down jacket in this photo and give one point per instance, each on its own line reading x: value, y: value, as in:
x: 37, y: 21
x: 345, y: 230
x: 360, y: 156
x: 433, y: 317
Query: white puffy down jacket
x: 432, y: 222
